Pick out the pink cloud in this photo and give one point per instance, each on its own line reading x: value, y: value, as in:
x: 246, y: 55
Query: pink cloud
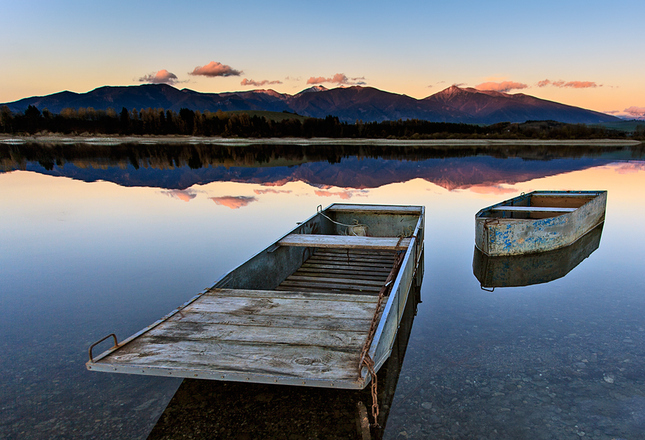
x: 569, y: 84
x: 503, y: 86
x: 339, y: 78
x: 214, y: 69
x: 233, y: 202
x: 637, y: 112
x: 185, y: 195
x: 161, y: 77
x: 272, y: 191
x: 250, y: 82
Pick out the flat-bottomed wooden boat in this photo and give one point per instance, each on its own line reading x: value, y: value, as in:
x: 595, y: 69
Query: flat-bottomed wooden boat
x: 304, y: 311
x: 538, y: 221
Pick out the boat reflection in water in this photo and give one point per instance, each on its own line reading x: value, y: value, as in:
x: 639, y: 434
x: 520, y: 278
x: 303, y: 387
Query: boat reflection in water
x: 214, y: 409
x: 536, y: 268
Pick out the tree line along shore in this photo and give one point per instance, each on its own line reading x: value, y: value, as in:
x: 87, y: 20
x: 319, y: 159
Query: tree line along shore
x: 261, y: 124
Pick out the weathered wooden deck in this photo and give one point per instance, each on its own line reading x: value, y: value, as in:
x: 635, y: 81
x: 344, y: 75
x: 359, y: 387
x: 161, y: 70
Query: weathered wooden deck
x: 309, y: 330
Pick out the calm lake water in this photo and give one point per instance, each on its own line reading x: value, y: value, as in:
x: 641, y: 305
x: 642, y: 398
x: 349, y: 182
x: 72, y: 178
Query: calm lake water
x: 95, y: 244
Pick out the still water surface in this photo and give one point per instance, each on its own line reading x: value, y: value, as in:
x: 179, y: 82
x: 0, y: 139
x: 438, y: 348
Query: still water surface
x: 86, y: 250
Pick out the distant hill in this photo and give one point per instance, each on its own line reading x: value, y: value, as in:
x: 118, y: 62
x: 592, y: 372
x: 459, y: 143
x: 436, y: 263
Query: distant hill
x: 454, y: 104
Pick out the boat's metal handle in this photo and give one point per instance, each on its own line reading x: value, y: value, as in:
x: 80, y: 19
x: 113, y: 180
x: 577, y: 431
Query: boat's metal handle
x: 116, y: 344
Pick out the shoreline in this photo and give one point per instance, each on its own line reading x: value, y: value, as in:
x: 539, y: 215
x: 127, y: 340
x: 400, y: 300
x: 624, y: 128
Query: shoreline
x: 242, y: 142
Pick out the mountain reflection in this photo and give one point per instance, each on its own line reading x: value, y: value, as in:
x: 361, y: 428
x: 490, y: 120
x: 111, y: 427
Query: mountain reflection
x: 178, y: 167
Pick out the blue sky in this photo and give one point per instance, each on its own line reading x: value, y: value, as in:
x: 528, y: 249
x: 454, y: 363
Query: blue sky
x: 585, y: 53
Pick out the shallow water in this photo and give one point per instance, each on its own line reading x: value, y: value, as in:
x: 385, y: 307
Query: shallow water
x: 85, y: 250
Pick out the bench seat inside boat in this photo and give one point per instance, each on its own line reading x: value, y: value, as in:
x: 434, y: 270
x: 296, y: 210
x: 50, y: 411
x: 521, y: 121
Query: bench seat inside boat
x: 345, y: 241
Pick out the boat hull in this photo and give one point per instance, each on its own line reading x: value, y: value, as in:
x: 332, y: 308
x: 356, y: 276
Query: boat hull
x: 300, y: 312
x: 536, y: 268
x: 499, y: 232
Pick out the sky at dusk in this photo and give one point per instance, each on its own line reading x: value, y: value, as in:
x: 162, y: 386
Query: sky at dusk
x: 584, y: 53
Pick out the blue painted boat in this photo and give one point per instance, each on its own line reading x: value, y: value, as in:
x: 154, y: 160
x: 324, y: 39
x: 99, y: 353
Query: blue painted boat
x: 536, y: 268
x: 538, y: 221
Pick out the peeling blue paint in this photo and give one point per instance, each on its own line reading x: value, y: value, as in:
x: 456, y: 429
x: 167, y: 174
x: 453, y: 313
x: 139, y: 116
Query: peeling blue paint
x: 497, y: 232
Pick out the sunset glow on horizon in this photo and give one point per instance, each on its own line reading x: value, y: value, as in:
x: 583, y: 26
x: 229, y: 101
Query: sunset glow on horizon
x: 586, y: 54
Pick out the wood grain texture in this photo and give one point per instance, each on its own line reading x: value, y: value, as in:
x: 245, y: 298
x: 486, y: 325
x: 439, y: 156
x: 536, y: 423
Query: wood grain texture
x: 532, y: 209
x: 291, y: 334
x: 381, y: 209
x: 344, y: 241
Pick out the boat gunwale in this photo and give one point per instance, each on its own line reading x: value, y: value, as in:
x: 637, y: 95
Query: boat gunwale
x: 394, y: 292
x: 582, y: 193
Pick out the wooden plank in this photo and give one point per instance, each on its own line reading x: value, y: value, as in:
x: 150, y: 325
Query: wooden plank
x: 356, y: 262
x: 328, y: 286
x: 282, y: 307
x: 351, y: 281
x: 532, y: 209
x: 344, y: 241
x: 381, y: 209
x: 330, y: 289
x: 295, y: 295
x: 348, y: 267
x: 565, y: 194
x: 216, y: 333
x: 342, y: 273
x: 309, y: 362
x: 342, y: 256
x: 370, y: 253
x: 305, y: 322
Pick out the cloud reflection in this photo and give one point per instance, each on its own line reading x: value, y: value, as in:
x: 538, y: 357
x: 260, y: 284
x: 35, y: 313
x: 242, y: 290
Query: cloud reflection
x: 491, y: 189
x: 186, y: 195
x: 344, y: 194
x: 233, y: 202
x: 629, y: 167
x: 272, y: 191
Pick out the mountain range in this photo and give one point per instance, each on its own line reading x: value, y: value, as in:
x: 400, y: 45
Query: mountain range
x: 349, y: 104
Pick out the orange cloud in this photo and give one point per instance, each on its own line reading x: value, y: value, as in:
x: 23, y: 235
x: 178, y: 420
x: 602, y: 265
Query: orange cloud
x: 272, y: 191
x: 582, y: 84
x: 161, y: 77
x: 250, y: 82
x: 339, y: 78
x: 503, y: 86
x: 233, y: 202
x: 569, y: 84
x: 185, y: 195
x: 214, y: 69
